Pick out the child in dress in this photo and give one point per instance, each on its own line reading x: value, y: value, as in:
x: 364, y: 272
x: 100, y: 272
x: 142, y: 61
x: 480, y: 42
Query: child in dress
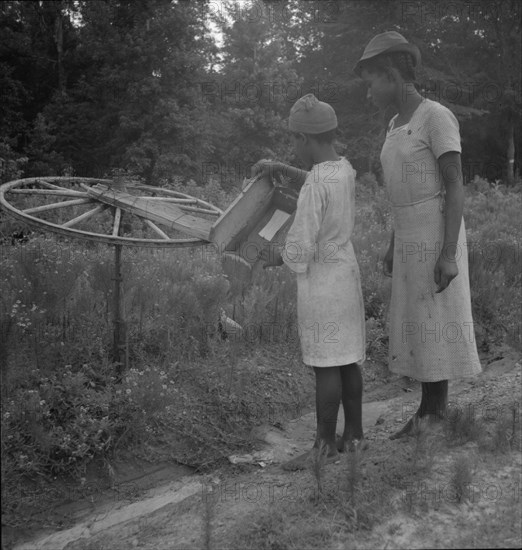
x: 431, y: 324
x: 330, y: 310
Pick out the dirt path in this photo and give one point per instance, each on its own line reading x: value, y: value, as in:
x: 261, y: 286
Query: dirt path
x: 250, y: 506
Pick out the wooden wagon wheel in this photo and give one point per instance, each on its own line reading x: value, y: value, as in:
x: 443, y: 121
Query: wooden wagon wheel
x: 80, y: 203
x: 72, y: 206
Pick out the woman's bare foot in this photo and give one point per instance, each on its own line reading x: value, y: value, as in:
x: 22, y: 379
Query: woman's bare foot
x: 351, y: 445
x: 416, y: 422
x: 305, y: 460
x: 407, y: 428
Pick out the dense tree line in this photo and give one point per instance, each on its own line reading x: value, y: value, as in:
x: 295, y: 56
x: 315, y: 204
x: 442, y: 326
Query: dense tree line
x: 150, y: 87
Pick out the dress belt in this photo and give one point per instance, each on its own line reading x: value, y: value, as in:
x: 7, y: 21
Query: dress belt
x: 438, y: 194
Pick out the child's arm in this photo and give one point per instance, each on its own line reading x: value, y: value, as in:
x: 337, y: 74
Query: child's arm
x: 446, y: 267
x: 300, y: 247
x: 296, y: 176
x: 276, y: 169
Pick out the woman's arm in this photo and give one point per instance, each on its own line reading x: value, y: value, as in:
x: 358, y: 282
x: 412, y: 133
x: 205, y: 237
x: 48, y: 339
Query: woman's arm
x: 451, y: 171
x: 387, y: 264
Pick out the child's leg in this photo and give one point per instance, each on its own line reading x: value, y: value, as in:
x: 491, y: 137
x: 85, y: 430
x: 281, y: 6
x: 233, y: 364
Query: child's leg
x: 433, y: 403
x: 352, y: 387
x: 327, y: 401
x: 328, y: 383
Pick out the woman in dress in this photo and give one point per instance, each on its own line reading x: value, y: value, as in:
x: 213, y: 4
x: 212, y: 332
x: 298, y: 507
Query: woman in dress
x: 431, y: 324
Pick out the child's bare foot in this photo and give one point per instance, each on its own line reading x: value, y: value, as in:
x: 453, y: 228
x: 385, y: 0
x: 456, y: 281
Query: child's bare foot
x: 304, y: 461
x: 351, y: 445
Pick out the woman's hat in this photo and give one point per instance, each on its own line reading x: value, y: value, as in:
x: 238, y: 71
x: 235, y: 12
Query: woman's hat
x: 388, y: 42
x: 311, y: 116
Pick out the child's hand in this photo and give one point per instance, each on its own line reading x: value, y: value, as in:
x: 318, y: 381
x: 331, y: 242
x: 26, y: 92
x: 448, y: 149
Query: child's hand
x: 271, y: 256
x: 445, y: 271
x: 268, y: 168
x: 387, y: 263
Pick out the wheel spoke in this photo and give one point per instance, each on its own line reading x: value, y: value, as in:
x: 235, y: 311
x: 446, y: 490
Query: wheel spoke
x: 56, y: 205
x: 84, y: 216
x: 153, y: 226
x: 117, y: 221
x: 49, y: 185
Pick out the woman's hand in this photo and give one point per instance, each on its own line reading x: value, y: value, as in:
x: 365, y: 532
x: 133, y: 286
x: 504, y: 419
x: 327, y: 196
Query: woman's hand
x: 271, y: 256
x: 387, y: 263
x: 445, y: 271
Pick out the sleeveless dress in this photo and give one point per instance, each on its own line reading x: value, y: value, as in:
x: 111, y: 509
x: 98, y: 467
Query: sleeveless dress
x: 431, y: 335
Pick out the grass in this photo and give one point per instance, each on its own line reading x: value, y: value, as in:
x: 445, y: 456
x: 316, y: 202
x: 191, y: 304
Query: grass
x: 356, y: 496
x: 425, y: 444
x: 506, y: 432
x: 319, y: 455
x: 461, y: 478
x: 461, y: 426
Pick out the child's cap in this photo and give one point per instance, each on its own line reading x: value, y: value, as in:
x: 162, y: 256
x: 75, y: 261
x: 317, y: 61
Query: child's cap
x: 387, y: 42
x: 311, y: 116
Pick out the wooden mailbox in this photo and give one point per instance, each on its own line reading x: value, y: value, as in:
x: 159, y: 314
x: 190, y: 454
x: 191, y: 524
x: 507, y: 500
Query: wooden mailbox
x: 261, y: 215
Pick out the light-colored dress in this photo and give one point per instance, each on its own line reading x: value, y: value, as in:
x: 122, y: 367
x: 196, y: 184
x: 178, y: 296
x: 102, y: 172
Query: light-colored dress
x: 330, y: 309
x: 431, y: 335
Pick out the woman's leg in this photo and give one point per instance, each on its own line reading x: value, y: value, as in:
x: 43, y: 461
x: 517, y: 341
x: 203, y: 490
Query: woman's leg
x: 433, y: 404
x: 434, y: 398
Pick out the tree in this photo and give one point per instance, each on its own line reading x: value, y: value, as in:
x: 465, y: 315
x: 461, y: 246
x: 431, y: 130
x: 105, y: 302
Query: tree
x: 136, y: 103
x: 252, y: 92
x: 111, y: 83
x: 37, y: 40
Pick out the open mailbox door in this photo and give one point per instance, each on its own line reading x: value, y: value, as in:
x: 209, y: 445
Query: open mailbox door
x: 261, y: 215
